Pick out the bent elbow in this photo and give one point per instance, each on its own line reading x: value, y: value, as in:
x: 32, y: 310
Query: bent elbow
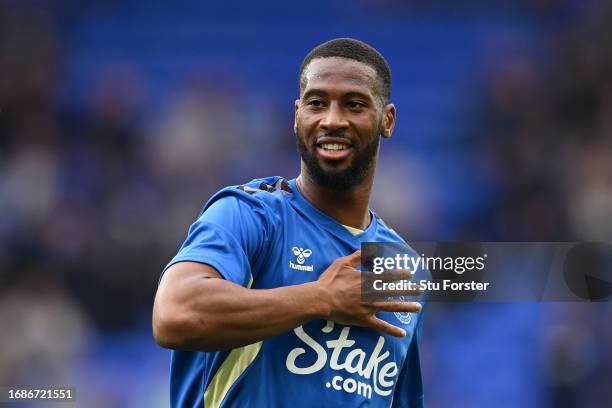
x: 182, y: 321
x: 181, y: 331
x: 164, y: 332
x: 171, y: 328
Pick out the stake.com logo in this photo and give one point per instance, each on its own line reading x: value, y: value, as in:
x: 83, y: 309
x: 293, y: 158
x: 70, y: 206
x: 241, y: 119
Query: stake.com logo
x: 381, y: 378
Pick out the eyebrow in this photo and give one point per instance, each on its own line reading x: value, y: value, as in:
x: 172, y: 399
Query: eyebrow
x: 354, y: 94
x: 350, y: 94
x: 314, y: 92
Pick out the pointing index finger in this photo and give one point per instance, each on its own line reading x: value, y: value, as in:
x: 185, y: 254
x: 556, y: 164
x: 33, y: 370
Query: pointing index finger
x: 385, y: 327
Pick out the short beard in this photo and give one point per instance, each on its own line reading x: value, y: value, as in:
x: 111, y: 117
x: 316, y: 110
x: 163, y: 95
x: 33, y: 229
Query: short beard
x: 340, y: 180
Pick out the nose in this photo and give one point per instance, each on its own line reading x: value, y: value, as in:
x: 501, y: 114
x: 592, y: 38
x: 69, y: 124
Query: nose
x: 333, y: 119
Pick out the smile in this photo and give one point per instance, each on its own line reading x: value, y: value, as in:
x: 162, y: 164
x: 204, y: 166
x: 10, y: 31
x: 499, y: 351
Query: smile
x: 334, y: 146
x: 334, y: 152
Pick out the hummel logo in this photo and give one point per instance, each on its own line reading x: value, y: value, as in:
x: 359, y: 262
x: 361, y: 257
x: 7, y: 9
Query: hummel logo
x: 301, y: 254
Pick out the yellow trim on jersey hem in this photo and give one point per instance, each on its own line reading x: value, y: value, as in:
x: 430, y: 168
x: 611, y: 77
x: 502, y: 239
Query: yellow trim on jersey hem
x: 232, y: 368
x: 236, y: 363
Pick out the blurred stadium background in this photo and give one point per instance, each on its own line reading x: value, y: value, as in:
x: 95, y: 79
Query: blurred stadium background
x: 118, y: 119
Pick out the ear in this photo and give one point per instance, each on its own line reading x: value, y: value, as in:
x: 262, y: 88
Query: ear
x: 388, y: 122
x: 295, y: 116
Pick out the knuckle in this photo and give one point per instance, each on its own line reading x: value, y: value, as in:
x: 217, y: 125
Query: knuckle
x: 345, y: 260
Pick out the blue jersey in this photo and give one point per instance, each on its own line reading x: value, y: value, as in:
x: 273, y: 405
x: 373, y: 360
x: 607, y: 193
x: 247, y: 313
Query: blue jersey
x: 263, y: 235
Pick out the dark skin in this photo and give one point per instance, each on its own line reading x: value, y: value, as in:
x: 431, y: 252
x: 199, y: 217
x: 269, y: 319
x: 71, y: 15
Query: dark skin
x: 196, y: 309
x: 341, y: 94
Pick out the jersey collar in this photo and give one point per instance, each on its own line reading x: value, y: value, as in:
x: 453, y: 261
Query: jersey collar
x: 330, y: 223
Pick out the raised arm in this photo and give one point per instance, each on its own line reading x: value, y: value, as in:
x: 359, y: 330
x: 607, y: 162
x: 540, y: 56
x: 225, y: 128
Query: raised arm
x: 196, y: 309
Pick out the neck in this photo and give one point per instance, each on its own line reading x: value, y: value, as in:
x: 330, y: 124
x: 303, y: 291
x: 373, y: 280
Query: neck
x: 347, y: 207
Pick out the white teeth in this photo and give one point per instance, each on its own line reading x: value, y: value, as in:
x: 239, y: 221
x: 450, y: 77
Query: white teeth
x: 333, y: 146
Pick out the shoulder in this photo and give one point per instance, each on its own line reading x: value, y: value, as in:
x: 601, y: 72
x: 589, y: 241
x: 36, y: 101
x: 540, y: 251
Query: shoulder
x: 386, y: 233
x: 264, y: 194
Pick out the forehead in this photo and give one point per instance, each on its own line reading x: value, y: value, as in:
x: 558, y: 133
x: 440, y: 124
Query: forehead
x: 336, y: 71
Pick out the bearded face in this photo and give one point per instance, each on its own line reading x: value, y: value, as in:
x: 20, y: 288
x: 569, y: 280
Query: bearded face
x: 332, y: 174
x: 338, y: 122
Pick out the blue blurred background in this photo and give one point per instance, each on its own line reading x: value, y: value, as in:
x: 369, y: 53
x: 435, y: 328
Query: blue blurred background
x: 118, y: 119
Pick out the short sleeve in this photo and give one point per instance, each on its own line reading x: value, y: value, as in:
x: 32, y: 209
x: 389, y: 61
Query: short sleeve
x: 409, y: 389
x: 229, y: 235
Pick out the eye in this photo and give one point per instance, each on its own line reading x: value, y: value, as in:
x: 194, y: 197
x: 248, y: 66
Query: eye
x: 315, y: 103
x: 355, y: 105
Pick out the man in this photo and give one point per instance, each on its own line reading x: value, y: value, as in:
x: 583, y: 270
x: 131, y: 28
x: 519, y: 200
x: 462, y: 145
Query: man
x: 262, y: 303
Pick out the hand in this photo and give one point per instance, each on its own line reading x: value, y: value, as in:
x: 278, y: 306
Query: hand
x: 342, y: 284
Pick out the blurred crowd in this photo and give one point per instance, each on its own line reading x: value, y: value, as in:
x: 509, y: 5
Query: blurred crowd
x: 545, y: 132
x: 96, y: 196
